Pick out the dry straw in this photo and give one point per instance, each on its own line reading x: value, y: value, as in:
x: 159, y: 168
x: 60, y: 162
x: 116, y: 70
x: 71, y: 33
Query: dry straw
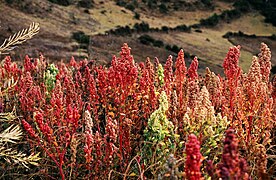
x: 19, y: 37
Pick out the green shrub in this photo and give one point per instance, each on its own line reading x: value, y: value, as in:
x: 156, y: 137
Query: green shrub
x: 146, y: 39
x: 163, y: 8
x: 158, y: 43
x: 62, y: 2
x: 273, y: 37
x: 183, y: 28
x: 165, y: 29
x: 9, y: 1
x: 230, y: 14
x: 168, y: 47
x: 270, y: 16
x: 86, y: 3
x: 273, y: 70
x: 137, y: 15
x: 242, y: 5
x: 227, y: 35
x: 130, y: 7
x: 121, y: 3
x: 267, y: 8
x: 211, y: 21
x: 207, y: 2
x: 121, y: 31
x: 81, y: 37
x: 175, y: 49
x: 142, y: 27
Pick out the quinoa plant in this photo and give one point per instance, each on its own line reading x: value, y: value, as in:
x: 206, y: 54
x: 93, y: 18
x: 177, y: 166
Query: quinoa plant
x: 159, y: 137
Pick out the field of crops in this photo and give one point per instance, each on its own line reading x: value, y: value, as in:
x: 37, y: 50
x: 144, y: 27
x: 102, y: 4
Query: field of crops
x: 137, y: 121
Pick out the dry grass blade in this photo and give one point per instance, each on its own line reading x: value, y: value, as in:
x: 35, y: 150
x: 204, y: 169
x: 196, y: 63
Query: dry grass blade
x: 18, y: 157
x: 19, y: 37
x: 8, y: 85
x: 7, y: 117
x: 11, y: 134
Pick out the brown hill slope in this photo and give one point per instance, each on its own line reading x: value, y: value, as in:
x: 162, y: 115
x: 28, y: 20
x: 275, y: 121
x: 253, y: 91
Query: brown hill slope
x: 58, y: 23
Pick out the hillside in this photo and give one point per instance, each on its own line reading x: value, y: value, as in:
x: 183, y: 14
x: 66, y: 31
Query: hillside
x: 91, y: 27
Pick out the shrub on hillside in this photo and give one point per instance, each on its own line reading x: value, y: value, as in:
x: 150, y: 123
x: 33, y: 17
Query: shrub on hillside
x: 273, y: 69
x: 136, y: 16
x: 211, y: 21
x: 141, y: 27
x: 240, y: 34
x: 183, y: 28
x: 9, y: 1
x: 86, y: 3
x: 121, y: 3
x: 121, y: 31
x: 158, y: 43
x: 230, y: 14
x: 173, y: 48
x: 130, y: 7
x: 267, y: 8
x: 165, y: 29
x: 138, y: 27
x: 163, y: 8
x: 81, y: 37
x: 273, y: 37
x: 242, y: 5
x: 146, y: 39
x: 62, y: 2
x: 207, y: 2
